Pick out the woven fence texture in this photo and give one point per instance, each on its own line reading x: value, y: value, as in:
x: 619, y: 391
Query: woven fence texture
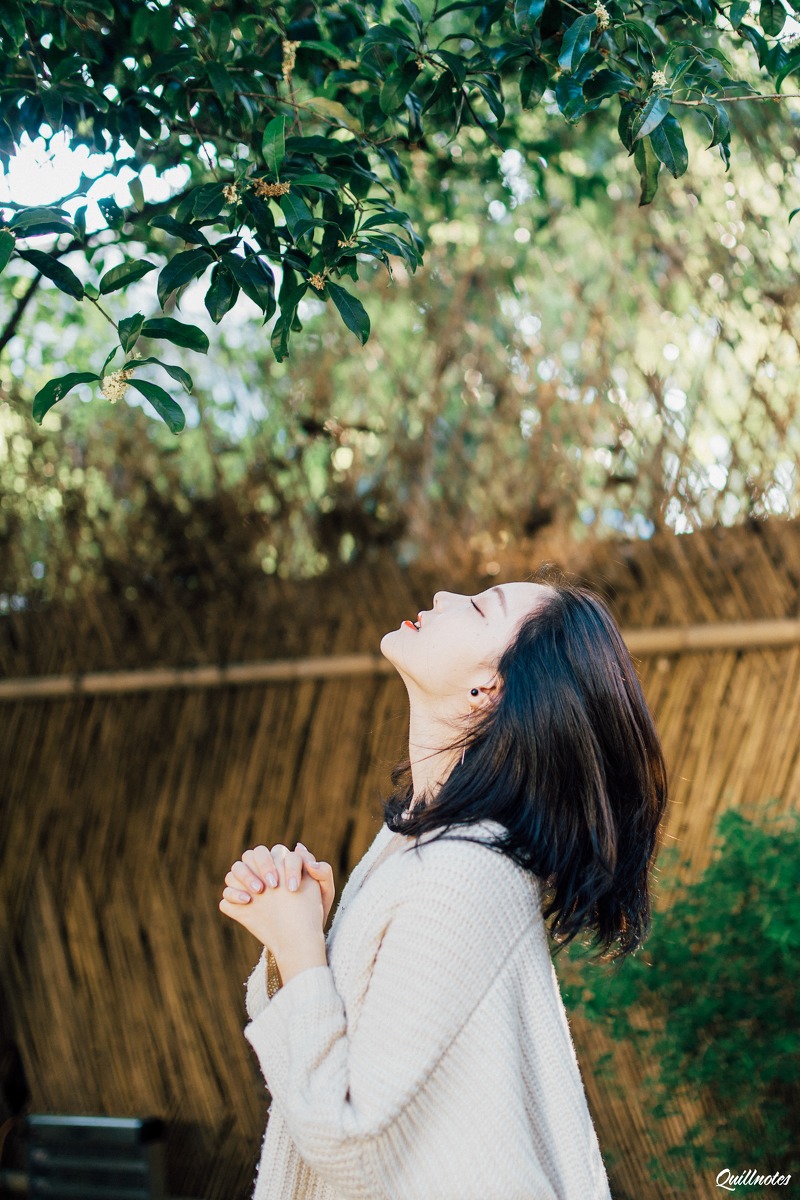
x: 121, y: 982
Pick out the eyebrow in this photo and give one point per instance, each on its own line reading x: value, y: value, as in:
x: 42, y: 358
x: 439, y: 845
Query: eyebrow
x: 501, y: 594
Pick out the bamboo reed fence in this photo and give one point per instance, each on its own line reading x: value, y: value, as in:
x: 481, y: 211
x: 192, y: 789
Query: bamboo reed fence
x: 123, y: 986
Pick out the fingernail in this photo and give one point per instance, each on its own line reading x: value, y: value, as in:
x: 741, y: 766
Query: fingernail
x: 244, y: 896
x: 271, y: 880
x: 256, y: 885
x: 292, y: 885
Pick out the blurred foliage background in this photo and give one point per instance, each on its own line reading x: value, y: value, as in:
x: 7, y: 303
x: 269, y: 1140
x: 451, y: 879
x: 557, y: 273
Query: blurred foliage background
x: 568, y: 364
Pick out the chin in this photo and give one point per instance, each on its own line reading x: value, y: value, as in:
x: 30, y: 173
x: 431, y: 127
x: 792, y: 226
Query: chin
x: 386, y: 644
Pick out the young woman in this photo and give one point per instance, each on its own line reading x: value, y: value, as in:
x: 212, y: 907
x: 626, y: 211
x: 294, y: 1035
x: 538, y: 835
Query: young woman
x: 421, y: 1051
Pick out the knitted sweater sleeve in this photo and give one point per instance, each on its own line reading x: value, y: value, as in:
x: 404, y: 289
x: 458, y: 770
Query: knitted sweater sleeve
x: 454, y: 921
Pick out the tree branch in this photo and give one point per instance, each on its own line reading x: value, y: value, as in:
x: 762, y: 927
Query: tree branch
x: 19, y: 310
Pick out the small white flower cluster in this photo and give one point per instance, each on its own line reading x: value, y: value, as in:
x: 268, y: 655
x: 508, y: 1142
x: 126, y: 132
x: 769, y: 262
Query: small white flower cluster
x: 115, y: 385
x: 602, y: 14
x: 262, y: 188
x: 791, y: 41
x: 231, y: 193
x: 659, y: 79
x: 289, y: 56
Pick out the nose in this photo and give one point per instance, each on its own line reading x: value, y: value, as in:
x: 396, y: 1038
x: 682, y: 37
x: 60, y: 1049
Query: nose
x: 437, y: 600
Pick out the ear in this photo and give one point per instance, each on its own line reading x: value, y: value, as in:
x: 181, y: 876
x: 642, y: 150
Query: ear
x: 490, y: 693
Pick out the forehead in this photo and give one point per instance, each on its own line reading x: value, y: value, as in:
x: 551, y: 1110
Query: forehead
x: 520, y: 597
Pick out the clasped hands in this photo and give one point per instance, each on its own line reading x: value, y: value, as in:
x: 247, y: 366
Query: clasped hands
x: 288, y: 920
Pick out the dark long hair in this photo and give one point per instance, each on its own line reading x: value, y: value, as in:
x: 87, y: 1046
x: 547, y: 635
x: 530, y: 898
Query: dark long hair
x: 568, y: 760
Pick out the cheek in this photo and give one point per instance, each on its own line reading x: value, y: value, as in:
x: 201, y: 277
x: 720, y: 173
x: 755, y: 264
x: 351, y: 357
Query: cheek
x: 450, y: 662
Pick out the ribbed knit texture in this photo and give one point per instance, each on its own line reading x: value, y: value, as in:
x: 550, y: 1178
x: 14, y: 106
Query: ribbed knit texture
x: 432, y: 1058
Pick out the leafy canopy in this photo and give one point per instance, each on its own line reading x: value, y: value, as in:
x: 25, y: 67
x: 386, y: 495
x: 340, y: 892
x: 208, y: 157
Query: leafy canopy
x: 295, y: 125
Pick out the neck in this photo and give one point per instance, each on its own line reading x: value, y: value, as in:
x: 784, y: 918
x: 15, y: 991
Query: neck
x: 430, y: 728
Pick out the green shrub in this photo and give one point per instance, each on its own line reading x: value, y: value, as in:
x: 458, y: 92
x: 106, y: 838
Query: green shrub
x: 718, y: 978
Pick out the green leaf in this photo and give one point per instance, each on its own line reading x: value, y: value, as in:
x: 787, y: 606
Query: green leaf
x: 759, y: 44
x: 606, y: 83
x: 30, y: 222
x: 668, y: 143
x: 789, y: 67
x: 648, y: 165
x: 335, y: 110
x: 279, y: 338
x: 209, y: 200
x: 576, y: 41
x: 129, y: 329
x: 325, y: 183
x: 12, y: 21
x: 455, y: 64
x: 651, y: 116
x: 7, y: 244
x: 125, y: 273
x: 397, y: 86
x: 719, y: 123
x: 351, y: 310
x: 387, y: 35
x: 772, y: 17
x: 176, y: 332
x: 162, y: 402
x: 532, y: 83
x: 187, y: 265
x: 53, y: 106
x: 137, y: 192
x: 570, y: 98
x: 181, y: 229
x: 409, y: 10
x: 738, y: 11
x: 56, y: 389
x: 64, y: 279
x: 114, y: 215
x: 221, y: 82
x: 219, y: 32
x: 255, y: 279
x: 527, y: 14
x: 111, y: 354
x: 177, y: 373
x: 273, y: 144
x: 298, y: 217
x: 222, y: 293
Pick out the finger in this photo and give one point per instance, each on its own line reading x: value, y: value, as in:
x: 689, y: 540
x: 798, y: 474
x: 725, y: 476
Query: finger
x: 320, y: 870
x: 235, y: 886
x: 246, y: 876
x: 265, y: 865
x: 292, y: 869
x: 305, y: 853
x: 278, y: 853
x: 236, y: 895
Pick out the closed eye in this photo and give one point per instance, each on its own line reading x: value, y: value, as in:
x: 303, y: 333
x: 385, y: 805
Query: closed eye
x: 474, y: 605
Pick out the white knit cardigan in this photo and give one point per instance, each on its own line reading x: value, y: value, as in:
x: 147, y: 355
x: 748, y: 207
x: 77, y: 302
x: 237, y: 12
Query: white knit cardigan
x: 431, y: 1058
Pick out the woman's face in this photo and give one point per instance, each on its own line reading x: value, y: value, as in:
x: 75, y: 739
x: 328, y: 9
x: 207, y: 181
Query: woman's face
x: 461, y: 639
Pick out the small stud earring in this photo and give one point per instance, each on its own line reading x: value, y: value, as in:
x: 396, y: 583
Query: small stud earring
x: 474, y: 692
